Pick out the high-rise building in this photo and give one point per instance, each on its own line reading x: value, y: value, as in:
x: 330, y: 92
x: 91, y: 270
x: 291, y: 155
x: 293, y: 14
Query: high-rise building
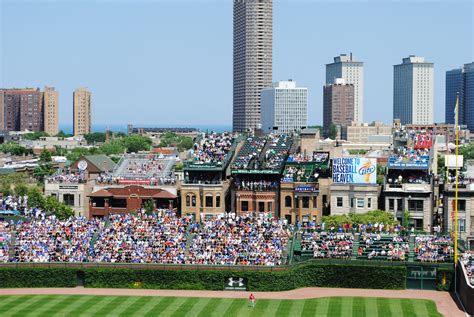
x: 252, y: 60
x: 338, y: 104
x: 21, y: 109
x: 460, y: 81
x: 82, y: 111
x: 51, y: 110
x: 284, y: 107
x: 352, y: 72
x: 413, y: 86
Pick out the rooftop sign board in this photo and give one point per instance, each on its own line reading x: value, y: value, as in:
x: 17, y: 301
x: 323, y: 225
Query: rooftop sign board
x: 354, y: 170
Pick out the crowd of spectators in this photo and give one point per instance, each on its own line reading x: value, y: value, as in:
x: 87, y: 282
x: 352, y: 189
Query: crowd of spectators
x: 467, y: 260
x: 53, y: 240
x: 249, y: 154
x: 10, y: 202
x: 327, y: 244
x: 434, y: 248
x: 405, y: 155
x: 142, y: 239
x: 239, y: 241
x: 393, y: 248
x: 277, y: 151
x: 106, y: 178
x: 317, y: 157
x: 72, y: 178
x: 5, y: 238
x: 212, y: 149
x: 260, y: 185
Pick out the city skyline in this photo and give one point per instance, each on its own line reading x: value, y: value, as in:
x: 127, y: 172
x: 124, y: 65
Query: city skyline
x: 143, y: 69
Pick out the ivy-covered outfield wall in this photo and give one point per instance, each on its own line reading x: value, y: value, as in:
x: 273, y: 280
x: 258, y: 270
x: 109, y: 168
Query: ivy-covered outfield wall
x: 309, y: 274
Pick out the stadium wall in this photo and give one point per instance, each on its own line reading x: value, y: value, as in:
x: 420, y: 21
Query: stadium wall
x: 308, y: 274
x: 464, y: 290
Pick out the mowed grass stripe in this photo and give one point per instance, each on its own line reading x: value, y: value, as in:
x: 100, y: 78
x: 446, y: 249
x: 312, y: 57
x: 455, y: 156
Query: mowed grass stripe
x: 76, y: 303
x: 173, y: 306
x: 358, y: 307
x: 30, y: 306
x: 297, y: 308
x: 346, y: 306
x: 420, y: 308
x: 431, y: 308
x: 309, y: 307
x: 395, y: 307
x: 61, y: 305
x: 334, y: 306
x: 284, y: 308
x: 85, y: 308
x: 160, y: 306
x: 202, y: 302
x: 136, y: 306
x: 210, y: 307
x: 222, y: 307
x: 185, y: 308
x: 126, y: 302
x: 407, y: 307
x: 260, y: 308
x: 148, y: 306
x: 9, y: 302
x: 50, y: 303
x: 235, y: 307
x: 371, y: 306
x: 322, y: 309
x: 108, y: 304
x: 383, y: 307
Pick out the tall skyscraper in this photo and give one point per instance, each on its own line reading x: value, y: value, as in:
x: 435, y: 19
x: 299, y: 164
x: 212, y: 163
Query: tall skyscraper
x: 21, y: 109
x: 338, y: 104
x: 413, y: 85
x: 51, y: 110
x: 252, y: 60
x: 460, y: 81
x: 284, y: 106
x: 352, y: 72
x: 82, y: 111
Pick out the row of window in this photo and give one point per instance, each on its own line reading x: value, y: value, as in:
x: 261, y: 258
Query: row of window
x: 208, y: 201
x: 358, y: 202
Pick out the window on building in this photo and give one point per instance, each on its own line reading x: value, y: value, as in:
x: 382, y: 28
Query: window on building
x: 261, y: 206
x: 399, y: 204
x: 68, y: 199
x: 360, y: 203
x: 209, y: 200
x: 461, y: 205
x: 188, y: 201
x: 305, y: 202
x: 391, y: 204
x: 54, y: 195
x: 369, y: 202
x: 193, y: 201
x: 415, y: 205
x: 288, y: 201
x: 218, y: 200
x: 461, y: 225
x: 339, y: 202
x: 270, y: 206
x: 245, y: 205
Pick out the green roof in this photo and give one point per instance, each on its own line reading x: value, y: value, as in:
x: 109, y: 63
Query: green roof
x: 99, y: 160
x: 7, y: 171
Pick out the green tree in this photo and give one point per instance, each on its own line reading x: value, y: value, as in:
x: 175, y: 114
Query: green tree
x: 34, y: 135
x: 441, y: 169
x: 15, y: 149
x: 95, y: 137
x: 136, y: 143
x: 61, y: 134
x: 149, y: 206
x: 45, y: 167
x: 332, y: 132
x: 112, y: 147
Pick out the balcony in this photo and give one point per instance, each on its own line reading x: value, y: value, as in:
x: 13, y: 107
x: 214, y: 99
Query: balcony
x: 409, y: 187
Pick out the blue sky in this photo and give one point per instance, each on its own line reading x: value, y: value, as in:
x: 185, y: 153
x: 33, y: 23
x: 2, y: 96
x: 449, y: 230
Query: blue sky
x: 170, y: 62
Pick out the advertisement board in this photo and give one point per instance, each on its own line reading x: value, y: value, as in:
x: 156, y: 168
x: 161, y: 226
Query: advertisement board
x: 450, y: 161
x: 354, y: 170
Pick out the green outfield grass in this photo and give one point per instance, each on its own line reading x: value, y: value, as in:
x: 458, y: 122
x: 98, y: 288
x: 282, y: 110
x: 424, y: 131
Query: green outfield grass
x: 74, y: 305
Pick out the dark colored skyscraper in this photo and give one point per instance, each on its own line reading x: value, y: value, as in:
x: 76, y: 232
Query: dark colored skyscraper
x: 21, y: 109
x: 460, y: 81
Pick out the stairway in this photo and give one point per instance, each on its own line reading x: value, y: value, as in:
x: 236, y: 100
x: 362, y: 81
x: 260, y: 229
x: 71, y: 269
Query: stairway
x: 189, y: 240
x: 411, y: 253
x: 11, y: 245
x: 355, y: 246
